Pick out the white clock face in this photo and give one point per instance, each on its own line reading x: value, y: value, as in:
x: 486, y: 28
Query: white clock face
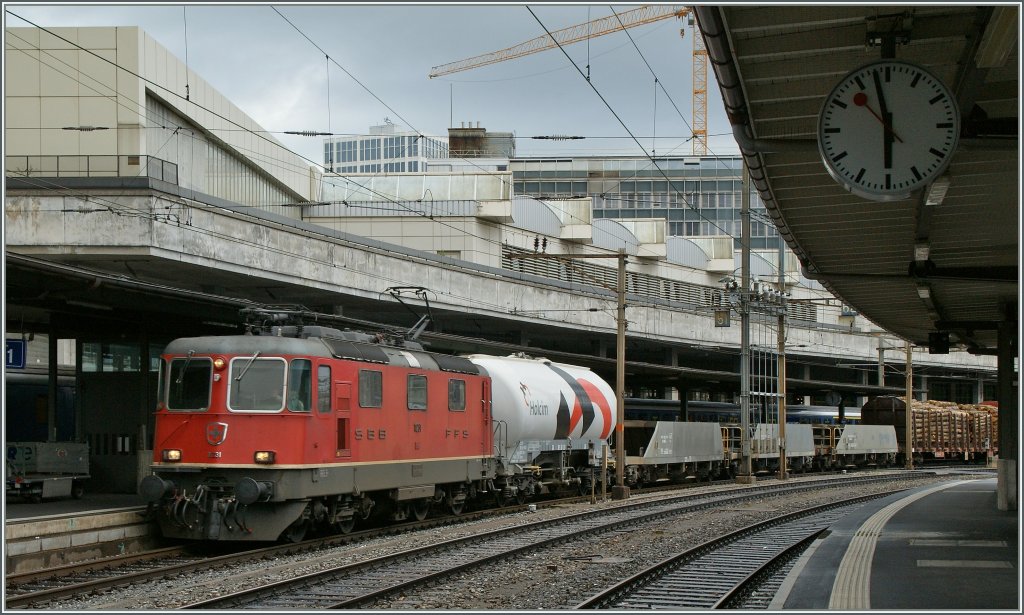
x: 887, y: 129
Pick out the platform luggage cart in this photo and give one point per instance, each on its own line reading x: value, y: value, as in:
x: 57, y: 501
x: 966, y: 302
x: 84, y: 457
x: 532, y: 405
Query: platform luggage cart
x: 37, y: 470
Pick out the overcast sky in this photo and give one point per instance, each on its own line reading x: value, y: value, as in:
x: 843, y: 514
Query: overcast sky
x: 266, y: 66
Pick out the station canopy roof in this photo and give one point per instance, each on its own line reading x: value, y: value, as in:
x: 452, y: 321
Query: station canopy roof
x: 943, y: 261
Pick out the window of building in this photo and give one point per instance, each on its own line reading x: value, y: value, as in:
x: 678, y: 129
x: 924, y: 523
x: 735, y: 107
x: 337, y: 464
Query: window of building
x: 416, y: 392
x: 103, y: 357
x: 394, y: 147
x: 348, y: 151
x: 369, y: 149
x: 371, y: 388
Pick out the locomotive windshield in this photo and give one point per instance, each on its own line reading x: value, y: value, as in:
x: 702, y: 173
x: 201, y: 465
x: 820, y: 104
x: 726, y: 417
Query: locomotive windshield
x: 257, y: 384
x: 188, y: 388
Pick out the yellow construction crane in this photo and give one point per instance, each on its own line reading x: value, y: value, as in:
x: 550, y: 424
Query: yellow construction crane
x: 606, y: 25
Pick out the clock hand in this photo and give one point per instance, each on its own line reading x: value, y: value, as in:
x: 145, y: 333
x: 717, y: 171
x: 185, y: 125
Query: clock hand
x: 886, y: 121
x: 861, y: 100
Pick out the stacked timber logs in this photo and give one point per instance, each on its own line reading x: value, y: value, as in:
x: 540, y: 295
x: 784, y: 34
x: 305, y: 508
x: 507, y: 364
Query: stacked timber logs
x: 940, y: 428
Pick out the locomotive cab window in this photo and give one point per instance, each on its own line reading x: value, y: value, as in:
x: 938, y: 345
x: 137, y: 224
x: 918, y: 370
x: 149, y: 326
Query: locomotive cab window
x: 371, y: 389
x: 456, y: 395
x: 300, y: 376
x: 257, y: 385
x: 416, y: 391
x: 188, y: 387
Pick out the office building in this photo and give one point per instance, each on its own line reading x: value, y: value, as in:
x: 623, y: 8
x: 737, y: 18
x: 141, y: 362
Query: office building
x: 386, y: 149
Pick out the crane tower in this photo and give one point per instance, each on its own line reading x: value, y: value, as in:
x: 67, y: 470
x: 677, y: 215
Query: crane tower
x: 606, y: 25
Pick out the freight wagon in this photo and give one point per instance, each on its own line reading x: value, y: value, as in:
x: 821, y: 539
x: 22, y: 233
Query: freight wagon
x: 941, y: 430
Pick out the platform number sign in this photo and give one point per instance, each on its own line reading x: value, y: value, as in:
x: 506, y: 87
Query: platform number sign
x: 14, y: 354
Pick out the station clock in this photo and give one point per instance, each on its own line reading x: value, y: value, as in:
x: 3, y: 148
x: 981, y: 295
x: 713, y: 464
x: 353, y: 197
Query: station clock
x: 887, y: 129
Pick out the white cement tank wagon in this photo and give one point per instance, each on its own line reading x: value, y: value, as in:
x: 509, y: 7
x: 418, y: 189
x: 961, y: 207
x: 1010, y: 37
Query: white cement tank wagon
x: 539, y: 406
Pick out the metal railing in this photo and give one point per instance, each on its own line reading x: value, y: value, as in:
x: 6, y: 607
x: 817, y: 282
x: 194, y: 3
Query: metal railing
x: 91, y: 166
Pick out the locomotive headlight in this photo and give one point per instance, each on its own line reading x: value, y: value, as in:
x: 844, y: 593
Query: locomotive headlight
x: 264, y: 457
x: 219, y: 363
x: 171, y: 454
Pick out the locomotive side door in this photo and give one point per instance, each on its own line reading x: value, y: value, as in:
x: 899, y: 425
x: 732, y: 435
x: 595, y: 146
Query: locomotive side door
x: 343, y: 414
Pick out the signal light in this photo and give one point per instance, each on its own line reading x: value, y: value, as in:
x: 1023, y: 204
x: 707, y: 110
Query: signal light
x: 171, y: 454
x: 265, y: 457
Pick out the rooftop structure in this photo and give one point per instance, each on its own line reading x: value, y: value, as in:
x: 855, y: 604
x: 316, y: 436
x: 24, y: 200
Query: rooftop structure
x: 386, y: 149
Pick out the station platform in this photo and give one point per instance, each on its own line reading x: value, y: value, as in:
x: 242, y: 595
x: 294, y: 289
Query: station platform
x: 944, y: 547
x: 17, y: 508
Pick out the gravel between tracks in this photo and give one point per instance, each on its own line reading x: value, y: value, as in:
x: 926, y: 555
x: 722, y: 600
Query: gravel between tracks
x: 554, y: 578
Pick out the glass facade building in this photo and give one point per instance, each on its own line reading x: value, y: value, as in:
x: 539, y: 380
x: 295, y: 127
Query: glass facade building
x: 697, y: 196
x: 386, y: 149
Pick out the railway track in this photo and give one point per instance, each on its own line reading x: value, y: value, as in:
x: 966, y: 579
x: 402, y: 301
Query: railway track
x: 35, y: 588
x: 359, y: 585
x: 39, y: 588
x: 722, y: 572
x: 48, y: 588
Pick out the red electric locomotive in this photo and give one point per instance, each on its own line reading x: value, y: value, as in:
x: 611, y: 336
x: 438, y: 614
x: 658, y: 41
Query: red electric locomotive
x: 276, y: 416
x: 265, y: 436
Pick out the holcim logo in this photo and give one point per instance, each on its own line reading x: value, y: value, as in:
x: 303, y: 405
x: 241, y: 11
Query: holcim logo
x: 537, y: 408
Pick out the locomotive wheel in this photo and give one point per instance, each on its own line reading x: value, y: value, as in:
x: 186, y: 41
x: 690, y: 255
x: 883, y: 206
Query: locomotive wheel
x: 420, y: 508
x: 520, y: 497
x: 457, y: 508
x: 499, y: 498
x: 345, y: 527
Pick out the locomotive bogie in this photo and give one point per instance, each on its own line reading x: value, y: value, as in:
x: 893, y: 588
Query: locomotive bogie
x: 257, y: 504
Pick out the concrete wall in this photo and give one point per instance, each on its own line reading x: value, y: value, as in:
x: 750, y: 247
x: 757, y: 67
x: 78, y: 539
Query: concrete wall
x: 315, y: 256
x: 102, y: 77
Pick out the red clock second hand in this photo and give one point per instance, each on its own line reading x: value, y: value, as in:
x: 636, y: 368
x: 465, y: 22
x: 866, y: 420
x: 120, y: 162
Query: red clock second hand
x: 861, y: 100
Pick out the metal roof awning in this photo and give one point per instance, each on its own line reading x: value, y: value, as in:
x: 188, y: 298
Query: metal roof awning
x: 944, y: 260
